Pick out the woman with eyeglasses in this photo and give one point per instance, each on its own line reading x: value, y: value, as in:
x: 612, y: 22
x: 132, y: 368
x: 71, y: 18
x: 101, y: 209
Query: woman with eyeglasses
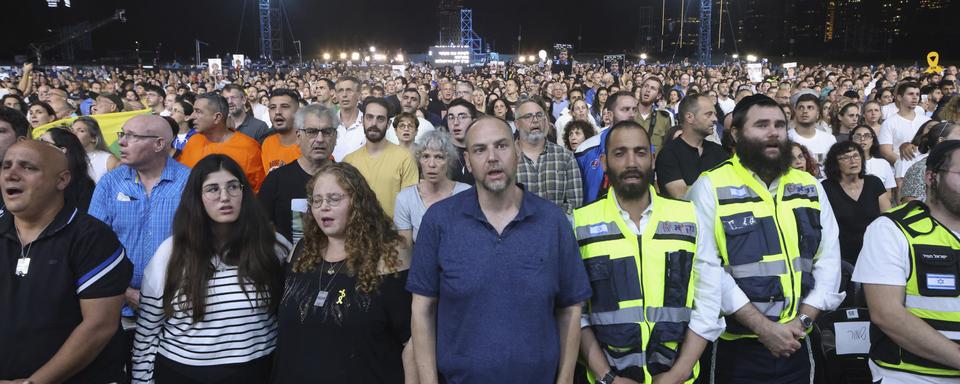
x: 855, y: 197
x: 211, y: 291
x: 866, y: 138
x: 405, y: 125
x: 914, y: 187
x: 345, y: 314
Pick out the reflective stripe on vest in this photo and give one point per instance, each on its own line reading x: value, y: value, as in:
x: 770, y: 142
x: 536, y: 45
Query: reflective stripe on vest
x: 931, y: 293
x: 639, y: 294
x: 766, y: 242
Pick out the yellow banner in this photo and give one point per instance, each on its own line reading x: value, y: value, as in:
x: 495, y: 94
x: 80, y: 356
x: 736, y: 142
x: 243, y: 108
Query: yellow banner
x: 110, y: 125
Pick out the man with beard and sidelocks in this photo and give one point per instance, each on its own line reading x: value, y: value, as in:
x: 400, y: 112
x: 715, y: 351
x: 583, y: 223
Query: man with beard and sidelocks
x: 496, y: 280
x: 387, y: 167
x: 776, y: 236
x: 908, y: 268
x: 656, y: 289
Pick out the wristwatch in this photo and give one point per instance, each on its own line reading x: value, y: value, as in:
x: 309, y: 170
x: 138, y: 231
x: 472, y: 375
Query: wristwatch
x: 608, y: 378
x: 805, y: 321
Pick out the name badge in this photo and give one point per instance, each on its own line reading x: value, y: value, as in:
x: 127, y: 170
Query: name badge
x: 941, y: 281
x: 23, y: 266
x: 299, y: 205
x: 321, y: 298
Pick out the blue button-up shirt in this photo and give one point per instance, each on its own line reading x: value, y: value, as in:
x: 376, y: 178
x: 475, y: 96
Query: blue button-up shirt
x: 140, y: 221
x: 497, y: 292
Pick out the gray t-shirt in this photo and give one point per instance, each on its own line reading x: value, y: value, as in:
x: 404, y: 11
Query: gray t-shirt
x: 410, y: 208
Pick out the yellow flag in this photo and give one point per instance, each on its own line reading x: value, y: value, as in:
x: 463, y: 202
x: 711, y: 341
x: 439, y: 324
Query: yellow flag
x: 110, y: 125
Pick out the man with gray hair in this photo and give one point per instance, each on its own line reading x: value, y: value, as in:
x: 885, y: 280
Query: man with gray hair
x: 545, y: 168
x: 283, y: 193
x: 242, y: 121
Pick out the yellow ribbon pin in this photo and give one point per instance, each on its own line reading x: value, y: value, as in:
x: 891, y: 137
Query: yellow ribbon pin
x: 933, y: 59
x: 343, y: 293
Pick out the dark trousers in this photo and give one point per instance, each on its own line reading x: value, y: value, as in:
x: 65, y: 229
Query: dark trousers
x: 253, y: 372
x: 746, y: 361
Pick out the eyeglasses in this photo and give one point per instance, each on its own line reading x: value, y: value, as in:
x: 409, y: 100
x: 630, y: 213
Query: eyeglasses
x: 311, y: 133
x: 861, y: 136
x: 131, y: 136
x: 461, y: 117
x: 532, y: 116
x: 212, y: 192
x: 332, y: 199
x: 851, y: 157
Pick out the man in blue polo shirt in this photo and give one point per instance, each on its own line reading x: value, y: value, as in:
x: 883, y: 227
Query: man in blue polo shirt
x: 496, y: 279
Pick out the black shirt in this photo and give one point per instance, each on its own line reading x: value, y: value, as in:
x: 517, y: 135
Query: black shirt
x: 460, y: 171
x: 678, y: 160
x: 853, y: 216
x: 352, y: 338
x: 284, y: 192
x: 76, y: 257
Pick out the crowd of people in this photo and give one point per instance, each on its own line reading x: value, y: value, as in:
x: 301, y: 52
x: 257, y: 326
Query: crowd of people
x: 548, y: 223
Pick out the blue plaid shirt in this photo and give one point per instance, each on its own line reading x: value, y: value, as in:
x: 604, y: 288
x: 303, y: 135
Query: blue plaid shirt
x: 141, y: 222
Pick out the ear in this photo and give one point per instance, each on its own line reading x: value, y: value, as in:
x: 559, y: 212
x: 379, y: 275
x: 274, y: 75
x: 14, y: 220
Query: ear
x: 63, y: 179
x: 603, y: 162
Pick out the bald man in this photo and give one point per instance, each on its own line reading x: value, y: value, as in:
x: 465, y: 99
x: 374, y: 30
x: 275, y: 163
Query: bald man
x: 138, y: 198
x: 62, y: 277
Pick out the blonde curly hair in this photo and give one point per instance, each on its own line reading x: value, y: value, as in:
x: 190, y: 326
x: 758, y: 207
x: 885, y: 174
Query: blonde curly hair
x: 370, y: 237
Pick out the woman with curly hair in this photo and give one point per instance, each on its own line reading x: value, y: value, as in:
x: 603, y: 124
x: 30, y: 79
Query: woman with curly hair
x: 804, y: 161
x: 345, y: 314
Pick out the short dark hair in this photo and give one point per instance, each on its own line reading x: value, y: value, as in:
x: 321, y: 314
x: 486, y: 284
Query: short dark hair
x: 45, y: 106
x: 354, y: 79
x: 16, y: 119
x: 945, y: 83
x: 808, y: 97
x: 147, y: 87
x: 292, y: 94
x: 583, y: 126
x: 688, y: 104
x: 216, y: 101
x: 612, y: 99
x: 831, y: 165
x: 902, y: 88
x: 233, y: 87
x: 378, y: 101
x: 625, y: 124
x: 743, y: 107
x: 329, y: 82
x: 471, y: 109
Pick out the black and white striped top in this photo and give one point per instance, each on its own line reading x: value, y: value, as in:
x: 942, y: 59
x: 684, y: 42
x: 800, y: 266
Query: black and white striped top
x: 237, y: 328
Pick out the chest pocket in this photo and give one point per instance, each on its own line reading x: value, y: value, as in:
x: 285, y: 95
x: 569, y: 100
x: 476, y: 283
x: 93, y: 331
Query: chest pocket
x: 749, y: 238
x: 810, y: 231
x: 937, y: 270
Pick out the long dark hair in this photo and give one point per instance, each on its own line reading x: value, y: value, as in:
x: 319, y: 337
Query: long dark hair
x: 81, y: 186
x: 251, y: 246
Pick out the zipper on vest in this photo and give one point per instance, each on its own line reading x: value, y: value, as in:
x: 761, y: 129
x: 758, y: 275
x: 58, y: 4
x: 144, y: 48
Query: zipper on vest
x: 644, y: 344
x: 783, y: 247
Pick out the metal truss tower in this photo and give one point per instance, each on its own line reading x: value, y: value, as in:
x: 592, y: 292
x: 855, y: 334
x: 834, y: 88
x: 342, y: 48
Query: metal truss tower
x: 271, y: 43
x: 468, y: 37
x: 704, y: 44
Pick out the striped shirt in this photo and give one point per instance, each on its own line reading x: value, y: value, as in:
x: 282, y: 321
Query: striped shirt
x: 141, y: 221
x: 236, y: 328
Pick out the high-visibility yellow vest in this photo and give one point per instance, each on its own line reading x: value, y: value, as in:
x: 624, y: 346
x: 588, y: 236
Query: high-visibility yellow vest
x: 642, y: 285
x: 931, y: 292
x: 766, y: 243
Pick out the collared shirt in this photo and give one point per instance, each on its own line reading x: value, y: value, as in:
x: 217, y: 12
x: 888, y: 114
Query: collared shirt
x: 75, y: 258
x: 555, y: 176
x: 140, y: 221
x: 704, y: 319
x: 826, y: 263
x: 349, y: 138
x: 497, y: 292
x: 253, y: 127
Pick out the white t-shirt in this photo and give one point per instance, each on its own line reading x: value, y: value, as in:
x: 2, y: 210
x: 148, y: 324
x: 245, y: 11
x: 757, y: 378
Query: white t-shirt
x: 818, y: 146
x: 726, y: 105
x: 896, y: 130
x: 891, y: 109
x: 882, y: 169
x: 884, y: 259
x: 262, y: 113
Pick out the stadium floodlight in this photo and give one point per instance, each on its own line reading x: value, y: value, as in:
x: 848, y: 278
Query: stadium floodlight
x: 736, y: 56
x: 643, y: 56
x: 343, y: 55
x: 399, y: 58
x: 542, y: 55
x: 752, y: 58
x: 326, y: 56
x: 522, y: 58
x: 355, y: 56
x: 531, y: 58
x: 373, y: 49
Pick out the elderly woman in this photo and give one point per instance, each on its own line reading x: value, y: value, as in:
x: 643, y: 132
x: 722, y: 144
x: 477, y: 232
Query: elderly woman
x: 434, y: 152
x: 856, y: 197
x: 345, y: 315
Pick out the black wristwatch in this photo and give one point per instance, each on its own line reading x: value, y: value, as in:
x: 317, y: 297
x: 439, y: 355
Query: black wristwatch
x: 805, y: 321
x: 608, y: 378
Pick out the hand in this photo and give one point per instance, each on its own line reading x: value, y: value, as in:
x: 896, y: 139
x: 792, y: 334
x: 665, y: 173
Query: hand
x: 132, y: 297
x: 670, y: 377
x: 781, y: 339
x: 27, y: 68
x: 623, y: 380
x: 908, y: 151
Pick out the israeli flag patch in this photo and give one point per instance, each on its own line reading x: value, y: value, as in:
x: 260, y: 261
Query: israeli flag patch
x: 941, y: 281
x: 599, y: 229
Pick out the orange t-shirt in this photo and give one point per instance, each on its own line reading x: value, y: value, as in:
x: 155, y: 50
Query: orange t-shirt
x: 276, y: 155
x: 239, y: 147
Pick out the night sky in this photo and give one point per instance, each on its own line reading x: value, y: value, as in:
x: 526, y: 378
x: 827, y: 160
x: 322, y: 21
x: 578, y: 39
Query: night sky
x: 323, y: 25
